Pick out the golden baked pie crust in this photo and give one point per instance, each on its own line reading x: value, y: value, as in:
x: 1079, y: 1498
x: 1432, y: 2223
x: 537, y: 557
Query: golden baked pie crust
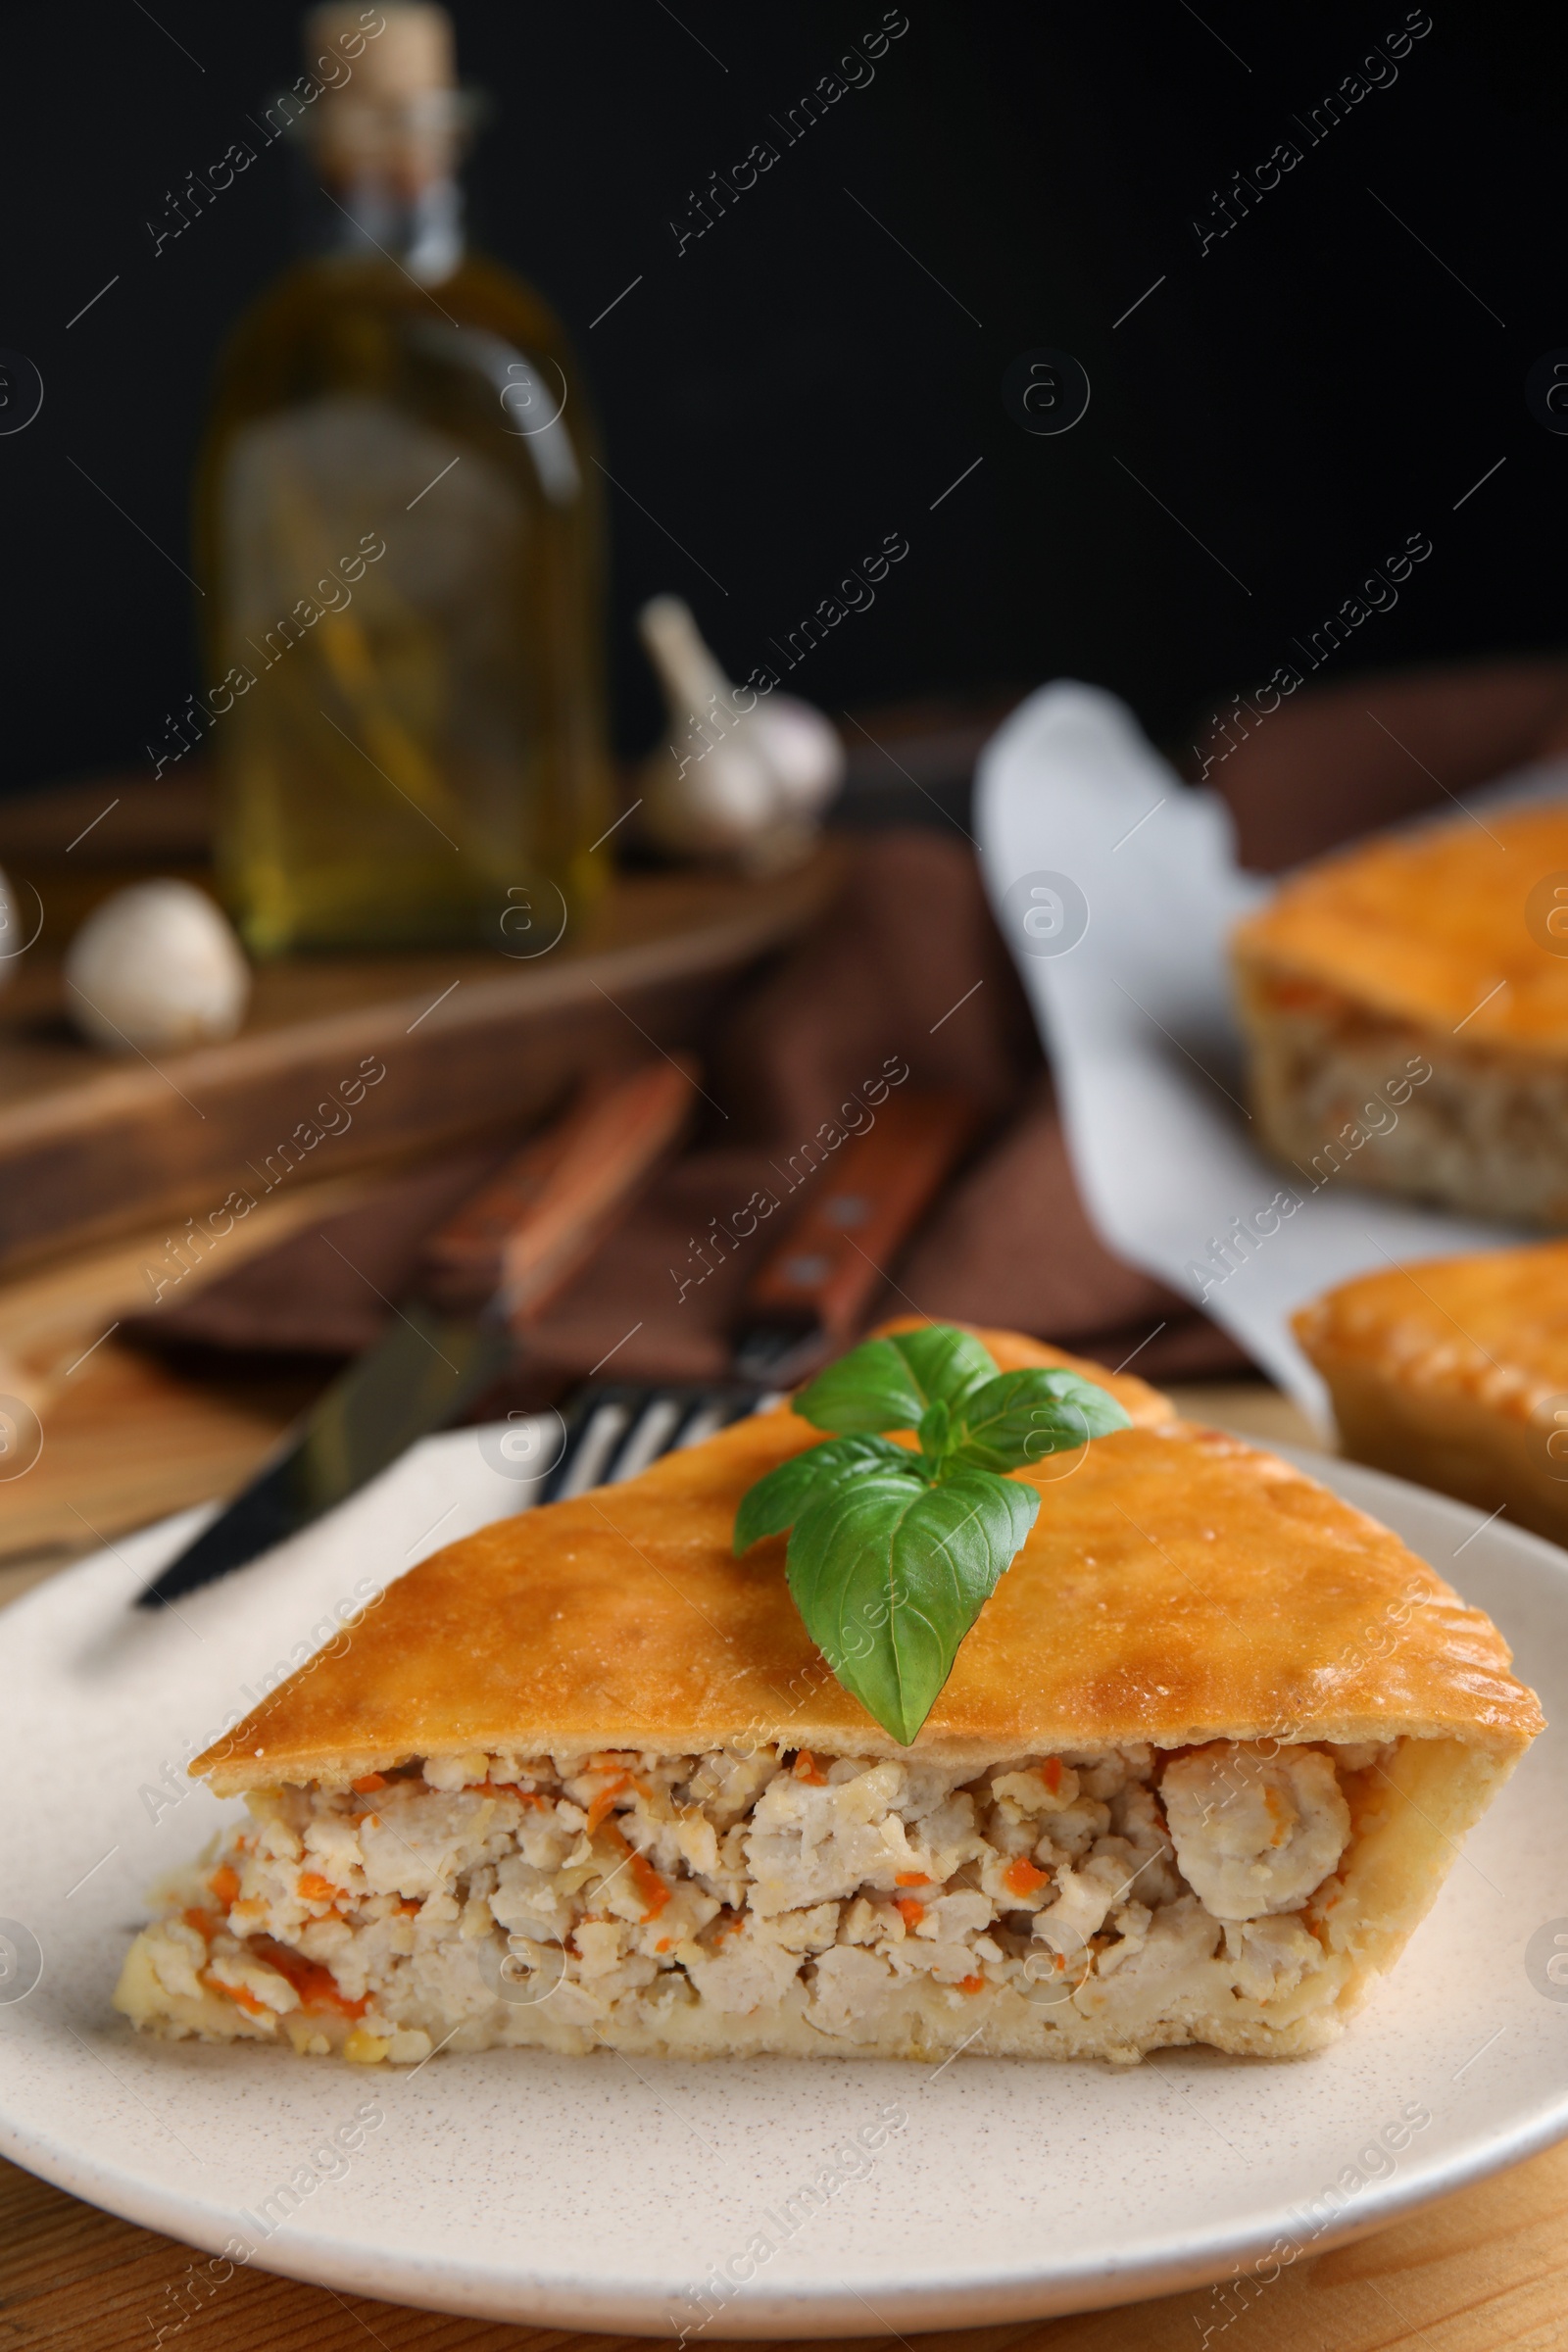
x: 1451, y: 1372
x: 1178, y: 1586
x: 1419, y: 928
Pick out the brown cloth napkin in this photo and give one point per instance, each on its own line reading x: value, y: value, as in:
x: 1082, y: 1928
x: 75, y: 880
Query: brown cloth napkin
x: 326, y: 1289
x: 1342, y: 760
x: 906, y: 963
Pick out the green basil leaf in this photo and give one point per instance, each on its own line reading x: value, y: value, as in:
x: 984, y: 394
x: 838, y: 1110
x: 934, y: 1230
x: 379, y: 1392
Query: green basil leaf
x: 946, y: 1363
x: 934, y: 1430
x: 1019, y: 1417
x: 887, y: 1384
x: 777, y: 1501
x: 889, y: 1574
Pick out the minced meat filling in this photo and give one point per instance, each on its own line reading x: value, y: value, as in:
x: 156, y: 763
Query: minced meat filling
x: 412, y: 1903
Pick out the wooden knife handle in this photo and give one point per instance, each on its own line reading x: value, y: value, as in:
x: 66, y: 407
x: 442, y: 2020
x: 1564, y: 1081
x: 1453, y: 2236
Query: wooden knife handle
x: 533, y: 1226
x: 862, y: 1205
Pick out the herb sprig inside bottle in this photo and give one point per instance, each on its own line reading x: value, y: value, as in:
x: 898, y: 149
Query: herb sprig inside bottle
x: 893, y: 1552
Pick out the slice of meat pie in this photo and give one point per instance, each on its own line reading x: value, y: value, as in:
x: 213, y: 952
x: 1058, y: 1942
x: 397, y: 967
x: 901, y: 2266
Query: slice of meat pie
x: 584, y: 1778
x: 1405, y: 1004
x: 1454, y: 1372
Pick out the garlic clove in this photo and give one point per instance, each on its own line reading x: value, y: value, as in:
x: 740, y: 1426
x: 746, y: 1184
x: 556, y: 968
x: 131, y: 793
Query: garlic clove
x: 744, y: 785
x: 156, y: 967
x: 804, y: 750
x: 689, y: 674
x: 718, y: 803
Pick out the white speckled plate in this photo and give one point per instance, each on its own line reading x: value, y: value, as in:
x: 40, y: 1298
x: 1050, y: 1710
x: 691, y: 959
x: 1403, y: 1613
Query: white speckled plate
x: 594, y: 2194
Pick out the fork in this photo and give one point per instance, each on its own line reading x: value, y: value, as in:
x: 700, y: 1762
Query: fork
x: 616, y: 1429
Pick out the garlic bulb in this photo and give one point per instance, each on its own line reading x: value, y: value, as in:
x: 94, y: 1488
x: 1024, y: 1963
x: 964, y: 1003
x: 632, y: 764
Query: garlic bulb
x: 743, y: 784
x: 154, y: 968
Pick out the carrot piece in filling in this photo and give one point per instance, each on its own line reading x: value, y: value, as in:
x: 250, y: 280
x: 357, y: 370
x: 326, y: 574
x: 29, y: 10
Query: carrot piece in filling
x: 315, y: 1985
x: 650, y: 1886
x: 238, y: 1994
x: 606, y: 1798
x: 1022, y: 1876
x: 225, y: 1883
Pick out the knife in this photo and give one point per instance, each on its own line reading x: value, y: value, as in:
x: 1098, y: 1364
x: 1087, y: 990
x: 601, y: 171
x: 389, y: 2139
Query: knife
x: 509, y: 1251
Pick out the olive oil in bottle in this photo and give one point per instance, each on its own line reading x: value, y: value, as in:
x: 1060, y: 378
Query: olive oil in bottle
x: 399, y: 537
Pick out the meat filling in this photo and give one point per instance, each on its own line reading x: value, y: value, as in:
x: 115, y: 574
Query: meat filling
x: 495, y: 1899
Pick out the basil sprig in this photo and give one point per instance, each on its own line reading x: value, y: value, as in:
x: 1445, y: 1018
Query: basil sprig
x: 894, y: 1552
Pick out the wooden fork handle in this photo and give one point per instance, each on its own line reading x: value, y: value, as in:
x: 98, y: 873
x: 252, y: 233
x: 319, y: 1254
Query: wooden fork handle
x: 860, y: 1210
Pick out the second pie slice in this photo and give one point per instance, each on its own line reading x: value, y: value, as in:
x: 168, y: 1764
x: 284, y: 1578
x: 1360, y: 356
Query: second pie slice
x: 1405, y: 1004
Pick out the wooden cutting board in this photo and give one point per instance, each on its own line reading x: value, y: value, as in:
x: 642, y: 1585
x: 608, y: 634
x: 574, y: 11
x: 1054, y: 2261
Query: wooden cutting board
x: 343, y: 1060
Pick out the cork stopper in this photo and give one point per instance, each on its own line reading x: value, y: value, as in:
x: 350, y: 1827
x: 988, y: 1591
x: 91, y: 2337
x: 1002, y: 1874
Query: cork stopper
x: 394, y: 115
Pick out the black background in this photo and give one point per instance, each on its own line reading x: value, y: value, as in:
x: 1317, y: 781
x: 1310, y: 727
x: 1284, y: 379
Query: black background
x: 795, y: 384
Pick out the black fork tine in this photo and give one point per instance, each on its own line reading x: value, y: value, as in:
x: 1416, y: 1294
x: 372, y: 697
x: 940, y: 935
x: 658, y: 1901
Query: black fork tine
x: 713, y: 1411
x: 592, y: 1434
x: 616, y: 1430
x: 649, y: 1434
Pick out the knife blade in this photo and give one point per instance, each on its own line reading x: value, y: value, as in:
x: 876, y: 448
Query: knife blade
x: 509, y: 1251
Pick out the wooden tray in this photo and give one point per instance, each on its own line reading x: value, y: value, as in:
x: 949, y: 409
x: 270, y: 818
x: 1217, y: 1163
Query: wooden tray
x: 468, y: 1042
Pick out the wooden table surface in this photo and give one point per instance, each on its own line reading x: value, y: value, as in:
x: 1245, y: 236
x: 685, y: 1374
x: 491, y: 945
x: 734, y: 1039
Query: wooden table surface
x: 1481, y: 2271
